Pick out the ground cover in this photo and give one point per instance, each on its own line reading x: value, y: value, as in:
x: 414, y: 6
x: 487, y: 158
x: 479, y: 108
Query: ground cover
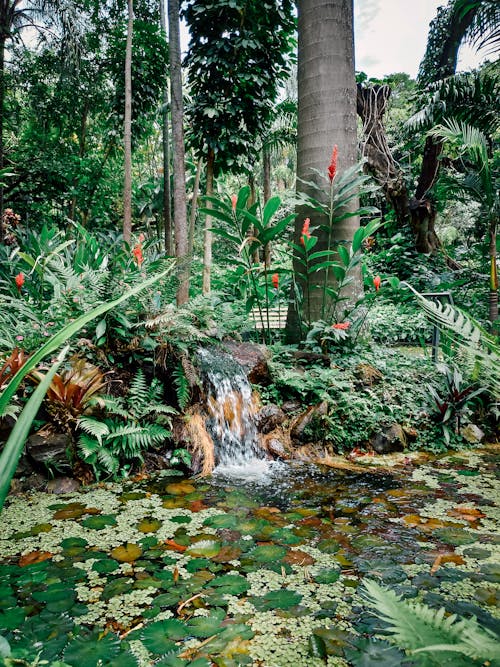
x: 171, y: 571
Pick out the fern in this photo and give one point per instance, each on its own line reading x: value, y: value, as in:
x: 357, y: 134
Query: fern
x: 479, y: 347
x: 422, y: 631
x: 182, y: 388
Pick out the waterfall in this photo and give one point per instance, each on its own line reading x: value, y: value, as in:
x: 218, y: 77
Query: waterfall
x: 231, y: 410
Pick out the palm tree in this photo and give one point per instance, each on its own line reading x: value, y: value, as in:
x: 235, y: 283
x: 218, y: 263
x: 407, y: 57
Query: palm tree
x: 480, y: 183
x: 16, y: 15
x: 127, y: 129
x: 326, y: 111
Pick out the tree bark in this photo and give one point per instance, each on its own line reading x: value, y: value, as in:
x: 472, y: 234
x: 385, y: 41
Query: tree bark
x: 127, y: 129
x: 493, y: 299
x: 326, y: 116
x: 194, y: 206
x: 167, y: 209
x: 180, y: 207
x: 2, y: 111
x: 207, y: 237
x: 266, y: 179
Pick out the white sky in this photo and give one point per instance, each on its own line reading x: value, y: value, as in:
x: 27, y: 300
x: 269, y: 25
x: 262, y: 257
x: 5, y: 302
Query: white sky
x: 391, y: 36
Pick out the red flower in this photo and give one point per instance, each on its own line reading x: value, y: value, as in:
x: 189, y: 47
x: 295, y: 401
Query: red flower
x: 341, y: 325
x: 19, y: 281
x: 332, y: 167
x: 141, y: 238
x: 275, y: 280
x: 305, y: 234
x: 234, y: 201
x: 376, y: 282
x: 137, y: 252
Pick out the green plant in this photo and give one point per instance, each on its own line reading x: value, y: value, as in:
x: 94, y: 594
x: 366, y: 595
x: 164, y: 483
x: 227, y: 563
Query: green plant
x: 130, y: 426
x: 250, y: 235
x: 454, y: 403
x: 431, y: 636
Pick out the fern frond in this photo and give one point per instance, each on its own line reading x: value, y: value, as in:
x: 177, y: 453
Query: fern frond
x: 88, y: 447
x: 477, y: 344
x: 108, y: 460
x: 417, y: 628
x: 93, y: 427
x: 182, y: 388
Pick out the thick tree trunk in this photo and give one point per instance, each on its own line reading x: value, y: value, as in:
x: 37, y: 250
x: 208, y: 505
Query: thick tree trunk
x: 167, y: 209
x: 207, y: 237
x: 127, y: 129
x: 326, y: 116
x: 180, y: 208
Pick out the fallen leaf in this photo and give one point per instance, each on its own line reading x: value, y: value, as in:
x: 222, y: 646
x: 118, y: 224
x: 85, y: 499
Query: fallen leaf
x: 173, y: 546
x: 34, y: 557
x: 446, y: 558
x: 298, y: 557
x: 466, y: 513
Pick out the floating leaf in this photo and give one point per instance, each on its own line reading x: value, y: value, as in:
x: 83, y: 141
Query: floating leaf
x: 180, y: 488
x: 123, y: 659
x: 326, y: 576
x: 232, y: 584
x: 89, y: 650
x: 267, y: 553
x: 455, y: 536
x: 10, y: 619
x: 282, y: 598
x: 298, y: 557
x: 221, y: 521
x: 206, y: 626
x: 227, y: 554
x: 149, y: 525
x: 127, y: 553
x: 99, y: 522
x: 317, y: 647
x: 328, y: 546
x: 34, y: 557
x: 105, y: 566
x: 204, y: 548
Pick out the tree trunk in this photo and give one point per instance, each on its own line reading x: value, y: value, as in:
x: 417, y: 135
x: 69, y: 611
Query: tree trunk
x: 180, y: 208
x: 266, y: 179
x: 167, y: 210
x: 127, y: 129
x: 194, y: 206
x: 493, y: 310
x: 207, y: 238
x: 2, y: 111
x: 326, y: 116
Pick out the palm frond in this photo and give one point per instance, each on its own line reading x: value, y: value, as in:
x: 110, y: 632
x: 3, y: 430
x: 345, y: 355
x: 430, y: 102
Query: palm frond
x: 484, y: 31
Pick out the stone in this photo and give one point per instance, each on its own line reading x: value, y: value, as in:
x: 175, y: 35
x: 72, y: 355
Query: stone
x: 291, y: 406
x: 63, y: 485
x: 392, y: 439
x: 253, y: 358
x: 268, y: 418
x: 277, y: 449
x: 298, y: 430
x: 472, y: 433
x: 50, y: 449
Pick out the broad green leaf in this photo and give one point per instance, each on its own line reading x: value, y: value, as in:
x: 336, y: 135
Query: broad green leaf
x: 272, y: 205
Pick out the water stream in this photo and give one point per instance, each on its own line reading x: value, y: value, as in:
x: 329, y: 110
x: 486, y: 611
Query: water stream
x: 231, y: 409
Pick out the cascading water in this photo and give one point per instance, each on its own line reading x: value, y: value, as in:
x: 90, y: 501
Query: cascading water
x: 231, y: 412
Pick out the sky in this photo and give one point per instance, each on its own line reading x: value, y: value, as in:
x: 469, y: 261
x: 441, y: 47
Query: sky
x: 391, y: 36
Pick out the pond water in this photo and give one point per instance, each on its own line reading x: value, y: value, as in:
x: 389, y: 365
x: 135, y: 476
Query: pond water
x: 261, y: 566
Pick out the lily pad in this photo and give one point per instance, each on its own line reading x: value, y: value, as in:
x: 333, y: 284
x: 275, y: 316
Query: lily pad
x: 89, y: 650
x: 221, y: 521
x: 204, y: 548
x: 327, y: 576
x: 149, y: 525
x: 267, y: 553
x: 455, y: 536
x: 206, y: 626
x: 99, y: 521
x: 105, y: 566
x: 282, y: 598
x: 127, y: 553
x: 156, y: 638
x: 231, y: 584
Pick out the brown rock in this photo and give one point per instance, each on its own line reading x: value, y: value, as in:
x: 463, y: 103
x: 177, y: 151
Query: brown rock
x: 268, y: 418
x: 253, y: 358
x: 63, y: 485
x: 277, y: 449
x: 392, y: 439
x: 304, y: 420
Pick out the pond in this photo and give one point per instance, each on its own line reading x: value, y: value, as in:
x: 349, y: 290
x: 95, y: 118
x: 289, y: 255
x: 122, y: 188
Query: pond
x: 262, y: 570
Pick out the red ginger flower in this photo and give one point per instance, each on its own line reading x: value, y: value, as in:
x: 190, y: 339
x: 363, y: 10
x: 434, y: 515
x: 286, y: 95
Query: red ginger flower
x: 19, y: 281
x: 137, y: 252
x: 234, y: 201
x: 376, y: 283
x: 341, y: 325
x: 332, y: 167
x: 305, y: 234
x: 275, y: 280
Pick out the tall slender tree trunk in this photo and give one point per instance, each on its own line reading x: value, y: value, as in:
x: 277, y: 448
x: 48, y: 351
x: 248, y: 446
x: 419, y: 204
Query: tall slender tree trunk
x: 207, y: 237
x: 493, y: 300
x: 167, y: 209
x: 2, y: 111
x: 266, y: 183
x: 127, y: 129
x: 194, y: 206
x: 326, y: 116
x: 180, y: 208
